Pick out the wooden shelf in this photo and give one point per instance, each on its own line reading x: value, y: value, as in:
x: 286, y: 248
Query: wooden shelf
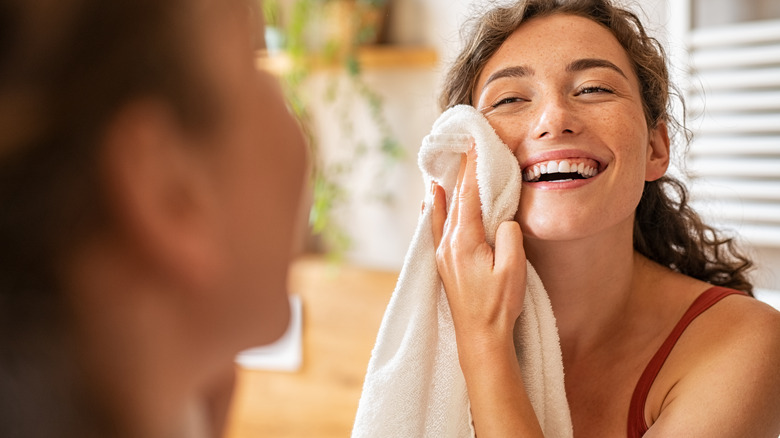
x: 397, y: 56
x: 370, y: 57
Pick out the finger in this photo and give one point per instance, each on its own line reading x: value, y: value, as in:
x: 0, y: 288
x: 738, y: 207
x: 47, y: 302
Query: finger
x: 456, y: 191
x: 509, y: 251
x: 510, y: 264
x: 462, y: 168
x: 438, y: 214
x: 469, y: 207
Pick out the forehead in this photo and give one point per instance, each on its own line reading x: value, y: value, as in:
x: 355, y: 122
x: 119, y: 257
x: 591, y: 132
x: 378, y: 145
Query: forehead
x: 550, y: 43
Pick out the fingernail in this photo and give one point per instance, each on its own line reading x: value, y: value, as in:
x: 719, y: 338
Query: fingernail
x: 433, y: 187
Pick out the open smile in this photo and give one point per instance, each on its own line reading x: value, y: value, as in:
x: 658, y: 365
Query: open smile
x: 561, y: 170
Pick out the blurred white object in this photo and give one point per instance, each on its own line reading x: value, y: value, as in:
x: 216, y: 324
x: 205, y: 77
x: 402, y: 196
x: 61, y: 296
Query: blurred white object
x: 286, y: 354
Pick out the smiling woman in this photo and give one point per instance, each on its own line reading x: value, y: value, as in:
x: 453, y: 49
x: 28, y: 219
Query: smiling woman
x: 580, y: 94
x: 571, y: 108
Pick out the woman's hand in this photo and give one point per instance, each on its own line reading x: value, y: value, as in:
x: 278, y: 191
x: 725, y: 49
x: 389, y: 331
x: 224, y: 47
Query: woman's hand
x: 485, y: 288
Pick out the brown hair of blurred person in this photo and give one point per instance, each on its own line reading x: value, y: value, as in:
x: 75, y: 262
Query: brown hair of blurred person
x: 149, y: 184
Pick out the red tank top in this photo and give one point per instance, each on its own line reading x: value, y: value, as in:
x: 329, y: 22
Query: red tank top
x: 636, y: 411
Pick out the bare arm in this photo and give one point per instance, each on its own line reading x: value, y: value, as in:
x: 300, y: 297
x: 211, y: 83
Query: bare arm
x: 485, y: 290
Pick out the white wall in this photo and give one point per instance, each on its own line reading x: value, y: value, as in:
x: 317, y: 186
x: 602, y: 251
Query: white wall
x: 380, y: 212
x: 437, y: 23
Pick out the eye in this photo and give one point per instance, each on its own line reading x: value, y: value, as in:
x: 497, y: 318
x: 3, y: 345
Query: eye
x: 594, y: 89
x: 508, y: 100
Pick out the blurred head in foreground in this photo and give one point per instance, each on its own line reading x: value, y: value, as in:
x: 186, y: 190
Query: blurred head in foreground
x: 149, y: 185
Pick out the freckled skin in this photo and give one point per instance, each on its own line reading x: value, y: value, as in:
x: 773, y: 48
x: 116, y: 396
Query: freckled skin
x: 561, y: 109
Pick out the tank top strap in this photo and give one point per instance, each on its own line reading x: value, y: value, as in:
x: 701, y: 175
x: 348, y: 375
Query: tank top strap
x: 637, y: 425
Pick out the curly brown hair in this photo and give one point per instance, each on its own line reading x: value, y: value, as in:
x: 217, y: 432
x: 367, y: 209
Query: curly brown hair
x: 666, y: 229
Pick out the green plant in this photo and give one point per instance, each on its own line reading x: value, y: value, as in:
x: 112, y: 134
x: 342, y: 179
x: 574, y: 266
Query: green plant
x: 327, y: 179
x: 272, y: 12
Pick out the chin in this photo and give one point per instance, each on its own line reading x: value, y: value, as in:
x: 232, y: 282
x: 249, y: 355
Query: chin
x: 552, y: 235
x: 554, y: 227
x: 276, y: 321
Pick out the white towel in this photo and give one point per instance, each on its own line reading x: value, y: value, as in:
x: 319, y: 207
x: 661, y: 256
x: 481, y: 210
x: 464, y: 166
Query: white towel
x: 414, y: 386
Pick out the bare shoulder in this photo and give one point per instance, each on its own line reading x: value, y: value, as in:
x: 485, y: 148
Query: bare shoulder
x: 741, y: 335
x: 748, y: 313
x: 722, y: 378
x: 743, y: 323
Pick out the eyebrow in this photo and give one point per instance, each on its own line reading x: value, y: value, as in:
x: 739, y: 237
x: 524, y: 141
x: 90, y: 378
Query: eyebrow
x: 589, y: 63
x: 517, y: 71
x: 520, y: 71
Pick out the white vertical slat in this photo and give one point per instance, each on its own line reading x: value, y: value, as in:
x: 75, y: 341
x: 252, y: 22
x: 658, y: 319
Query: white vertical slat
x: 716, y: 186
x: 740, y: 122
x: 754, y: 145
x: 765, y: 78
x: 746, y: 34
x: 736, y: 56
x: 737, y: 167
x: 735, y: 111
x: 746, y: 100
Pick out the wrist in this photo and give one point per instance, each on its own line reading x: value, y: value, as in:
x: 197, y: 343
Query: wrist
x: 477, y: 349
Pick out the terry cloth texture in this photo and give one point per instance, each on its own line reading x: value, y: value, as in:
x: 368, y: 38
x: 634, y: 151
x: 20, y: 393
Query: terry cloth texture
x: 414, y: 386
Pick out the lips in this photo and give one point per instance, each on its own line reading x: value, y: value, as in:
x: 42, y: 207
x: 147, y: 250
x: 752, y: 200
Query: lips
x: 561, y: 170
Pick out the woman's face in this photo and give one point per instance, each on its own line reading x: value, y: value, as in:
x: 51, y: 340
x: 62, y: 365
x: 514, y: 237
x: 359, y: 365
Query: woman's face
x: 259, y: 163
x: 562, y: 94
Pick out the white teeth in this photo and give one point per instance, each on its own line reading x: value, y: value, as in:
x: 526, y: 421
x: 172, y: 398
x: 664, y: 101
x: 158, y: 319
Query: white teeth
x: 585, y: 169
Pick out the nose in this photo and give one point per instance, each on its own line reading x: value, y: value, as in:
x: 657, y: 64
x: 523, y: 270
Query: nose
x: 554, y: 119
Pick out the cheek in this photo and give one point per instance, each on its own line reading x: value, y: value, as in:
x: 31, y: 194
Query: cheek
x: 281, y: 175
x: 267, y: 174
x: 275, y: 169
x: 510, y: 130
